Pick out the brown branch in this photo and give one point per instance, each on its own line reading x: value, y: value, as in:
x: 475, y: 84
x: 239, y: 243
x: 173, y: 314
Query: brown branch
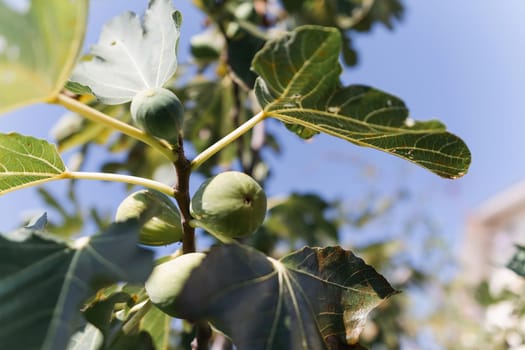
x: 182, y: 195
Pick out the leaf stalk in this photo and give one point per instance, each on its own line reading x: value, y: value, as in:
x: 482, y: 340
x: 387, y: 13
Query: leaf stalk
x: 228, y: 139
x: 104, y: 119
x: 132, y: 180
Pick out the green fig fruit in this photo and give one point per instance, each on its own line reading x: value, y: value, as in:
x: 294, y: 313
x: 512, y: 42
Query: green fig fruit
x: 167, y: 281
x: 229, y: 205
x: 158, y: 112
x: 161, y: 218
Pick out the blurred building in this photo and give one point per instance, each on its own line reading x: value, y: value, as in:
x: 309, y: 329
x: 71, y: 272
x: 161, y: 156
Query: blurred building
x: 493, y: 230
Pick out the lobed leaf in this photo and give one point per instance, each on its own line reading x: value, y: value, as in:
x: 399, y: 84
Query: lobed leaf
x: 306, y: 300
x: 25, y: 161
x: 131, y: 56
x: 43, y: 282
x: 299, y: 85
x: 38, y: 48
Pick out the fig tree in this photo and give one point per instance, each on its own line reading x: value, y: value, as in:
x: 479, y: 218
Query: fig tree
x: 158, y: 112
x: 230, y: 204
x: 167, y: 281
x: 160, y: 217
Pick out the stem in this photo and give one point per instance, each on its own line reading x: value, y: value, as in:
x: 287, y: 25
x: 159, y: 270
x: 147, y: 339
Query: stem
x: 182, y: 195
x: 237, y: 121
x: 228, y: 139
x: 104, y: 119
x: 133, y: 180
x: 202, y: 336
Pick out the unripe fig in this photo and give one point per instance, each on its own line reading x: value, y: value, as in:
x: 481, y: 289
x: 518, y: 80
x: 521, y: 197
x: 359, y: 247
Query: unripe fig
x: 229, y: 205
x: 158, y: 112
x: 161, y: 218
x: 167, y: 281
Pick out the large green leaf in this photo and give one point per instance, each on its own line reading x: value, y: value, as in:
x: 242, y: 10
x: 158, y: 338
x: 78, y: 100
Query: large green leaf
x: 43, y: 281
x: 38, y: 48
x: 131, y: 57
x: 299, y: 84
x: 26, y: 161
x: 306, y: 300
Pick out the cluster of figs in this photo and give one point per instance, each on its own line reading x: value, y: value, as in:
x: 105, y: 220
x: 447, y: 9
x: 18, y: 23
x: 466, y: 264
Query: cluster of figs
x: 228, y: 205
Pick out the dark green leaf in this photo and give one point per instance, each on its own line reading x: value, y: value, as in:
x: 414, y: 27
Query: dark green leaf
x: 206, y: 47
x: 242, y: 47
x: 299, y: 84
x: 306, y: 300
x: 100, y: 312
x: 303, y: 218
x: 517, y: 264
x: 131, y: 57
x: 382, y: 11
x: 39, y: 48
x: 342, y: 14
x: 78, y: 88
x: 43, y: 282
x: 25, y: 161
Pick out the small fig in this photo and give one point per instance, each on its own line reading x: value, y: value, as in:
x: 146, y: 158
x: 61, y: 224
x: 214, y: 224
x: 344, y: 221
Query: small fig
x: 158, y: 112
x: 230, y: 204
x: 160, y: 217
x: 167, y: 281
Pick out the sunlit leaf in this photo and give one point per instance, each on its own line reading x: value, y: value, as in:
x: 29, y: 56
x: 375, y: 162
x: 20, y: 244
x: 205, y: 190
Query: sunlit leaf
x: 517, y: 264
x: 158, y: 325
x: 299, y: 84
x: 38, y: 48
x: 89, y: 338
x: 306, y: 300
x: 43, y: 282
x: 26, y: 161
x: 131, y: 56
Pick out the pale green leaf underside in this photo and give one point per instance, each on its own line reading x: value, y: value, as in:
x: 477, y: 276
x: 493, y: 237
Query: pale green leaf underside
x: 26, y: 161
x: 38, y: 49
x: 131, y: 57
x: 43, y: 282
x: 299, y: 85
x: 308, y: 299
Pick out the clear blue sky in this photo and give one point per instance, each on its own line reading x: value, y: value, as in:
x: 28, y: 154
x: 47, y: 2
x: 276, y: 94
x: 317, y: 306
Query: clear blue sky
x: 458, y: 61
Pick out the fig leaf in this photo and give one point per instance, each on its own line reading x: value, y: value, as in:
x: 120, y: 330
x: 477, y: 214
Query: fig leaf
x: 299, y: 84
x: 26, y: 161
x: 49, y: 278
x: 39, y: 45
x: 131, y: 56
x: 306, y: 300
